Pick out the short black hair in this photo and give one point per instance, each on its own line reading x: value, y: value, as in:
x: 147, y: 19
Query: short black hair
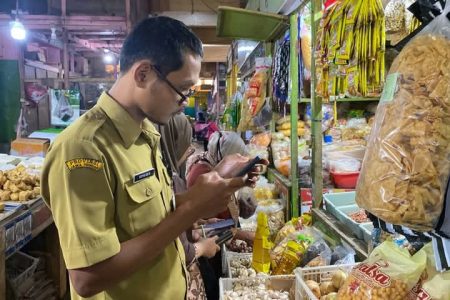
x: 162, y: 40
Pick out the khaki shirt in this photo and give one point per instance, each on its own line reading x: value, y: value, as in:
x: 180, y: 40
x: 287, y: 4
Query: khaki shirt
x: 91, y: 183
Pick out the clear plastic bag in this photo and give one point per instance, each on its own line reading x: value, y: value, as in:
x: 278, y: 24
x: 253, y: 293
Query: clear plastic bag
x: 406, y: 165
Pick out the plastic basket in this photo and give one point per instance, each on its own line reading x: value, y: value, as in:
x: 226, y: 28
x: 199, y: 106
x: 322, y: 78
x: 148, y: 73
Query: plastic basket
x: 280, y: 283
x: 345, y: 180
x: 234, y: 255
x: 319, y: 275
x: 19, y: 268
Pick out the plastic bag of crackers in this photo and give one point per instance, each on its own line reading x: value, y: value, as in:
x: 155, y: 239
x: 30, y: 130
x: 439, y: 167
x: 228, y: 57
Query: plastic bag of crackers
x: 433, y: 285
x: 406, y: 166
x: 390, y: 272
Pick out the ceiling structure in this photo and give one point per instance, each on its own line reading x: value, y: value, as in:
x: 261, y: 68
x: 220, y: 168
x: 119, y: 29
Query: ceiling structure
x: 92, y: 26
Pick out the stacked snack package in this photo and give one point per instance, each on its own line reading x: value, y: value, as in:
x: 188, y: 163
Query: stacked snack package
x: 350, y: 49
x: 254, y: 98
x: 406, y: 167
x: 390, y: 272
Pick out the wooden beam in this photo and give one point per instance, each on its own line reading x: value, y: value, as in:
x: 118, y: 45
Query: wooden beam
x: 195, y: 19
x: 128, y: 15
x: 208, y: 35
x: 215, y: 53
x: 77, y: 23
x: 72, y: 79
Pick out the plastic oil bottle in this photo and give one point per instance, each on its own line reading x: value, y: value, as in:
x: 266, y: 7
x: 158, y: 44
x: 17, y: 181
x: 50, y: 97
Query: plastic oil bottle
x: 292, y: 256
x: 262, y: 245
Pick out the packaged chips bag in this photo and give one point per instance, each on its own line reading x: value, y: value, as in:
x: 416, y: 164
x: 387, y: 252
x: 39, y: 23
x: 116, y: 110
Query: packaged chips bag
x: 433, y: 285
x: 406, y: 166
x: 390, y: 272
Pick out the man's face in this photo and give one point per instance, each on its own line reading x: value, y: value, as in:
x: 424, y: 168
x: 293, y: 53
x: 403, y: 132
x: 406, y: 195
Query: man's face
x: 158, y: 101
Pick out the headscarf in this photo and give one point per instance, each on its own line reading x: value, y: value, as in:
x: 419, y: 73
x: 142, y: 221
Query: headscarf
x: 220, y: 145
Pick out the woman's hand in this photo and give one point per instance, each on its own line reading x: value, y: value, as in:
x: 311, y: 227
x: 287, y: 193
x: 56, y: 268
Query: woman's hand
x: 208, y: 247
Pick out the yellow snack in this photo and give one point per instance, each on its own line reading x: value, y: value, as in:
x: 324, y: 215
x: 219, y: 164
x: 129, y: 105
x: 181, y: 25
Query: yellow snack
x: 389, y: 273
x: 406, y: 167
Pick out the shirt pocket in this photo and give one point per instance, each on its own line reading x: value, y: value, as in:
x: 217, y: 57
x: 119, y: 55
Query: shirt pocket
x: 145, y: 205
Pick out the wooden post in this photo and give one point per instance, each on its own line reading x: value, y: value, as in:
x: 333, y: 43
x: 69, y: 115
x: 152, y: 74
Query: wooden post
x: 128, y: 14
x: 2, y: 264
x: 66, y: 46
x: 56, y: 265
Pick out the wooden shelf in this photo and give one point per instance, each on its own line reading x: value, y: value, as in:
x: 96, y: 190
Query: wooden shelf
x: 353, y: 99
x: 41, y: 65
x: 238, y: 23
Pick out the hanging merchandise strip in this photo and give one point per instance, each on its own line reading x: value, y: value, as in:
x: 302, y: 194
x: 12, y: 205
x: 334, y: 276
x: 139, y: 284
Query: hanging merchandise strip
x: 280, y: 73
x: 350, y: 50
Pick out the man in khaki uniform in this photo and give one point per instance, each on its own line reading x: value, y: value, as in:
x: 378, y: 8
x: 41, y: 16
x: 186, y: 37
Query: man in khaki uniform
x: 106, y: 184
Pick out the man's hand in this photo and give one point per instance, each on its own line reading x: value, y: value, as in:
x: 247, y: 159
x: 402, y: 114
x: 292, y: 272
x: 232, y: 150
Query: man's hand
x: 210, y: 194
x: 230, y: 166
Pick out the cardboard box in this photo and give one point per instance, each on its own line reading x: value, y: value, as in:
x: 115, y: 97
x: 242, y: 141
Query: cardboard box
x: 29, y: 147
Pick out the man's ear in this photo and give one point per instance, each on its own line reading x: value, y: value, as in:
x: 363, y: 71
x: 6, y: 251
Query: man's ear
x: 143, y: 73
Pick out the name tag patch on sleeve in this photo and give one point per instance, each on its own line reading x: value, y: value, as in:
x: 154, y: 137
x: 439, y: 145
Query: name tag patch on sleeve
x: 89, y: 163
x: 143, y: 175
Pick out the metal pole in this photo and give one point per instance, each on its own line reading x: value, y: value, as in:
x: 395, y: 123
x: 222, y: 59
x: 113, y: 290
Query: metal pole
x: 293, y: 80
x: 316, y: 107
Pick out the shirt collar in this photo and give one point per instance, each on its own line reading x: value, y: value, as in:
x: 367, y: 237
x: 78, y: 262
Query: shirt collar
x: 127, y: 127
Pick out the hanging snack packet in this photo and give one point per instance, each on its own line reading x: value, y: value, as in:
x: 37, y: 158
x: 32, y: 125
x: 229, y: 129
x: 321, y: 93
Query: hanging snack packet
x: 406, y: 166
x: 390, y: 272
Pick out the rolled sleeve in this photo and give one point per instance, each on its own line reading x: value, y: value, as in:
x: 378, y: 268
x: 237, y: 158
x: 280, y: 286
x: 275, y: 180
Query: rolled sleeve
x: 76, y: 185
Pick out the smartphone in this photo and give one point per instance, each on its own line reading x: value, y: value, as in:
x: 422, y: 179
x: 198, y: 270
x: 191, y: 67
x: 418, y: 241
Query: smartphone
x: 218, y: 228
x: 251, y: 164
x: 224, y: 237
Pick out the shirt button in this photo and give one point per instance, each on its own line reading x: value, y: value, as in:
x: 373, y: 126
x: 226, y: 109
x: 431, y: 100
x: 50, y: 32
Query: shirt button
x: 148, y: 191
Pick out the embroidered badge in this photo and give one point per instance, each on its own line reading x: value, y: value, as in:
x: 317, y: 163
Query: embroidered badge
x: 78, y: 163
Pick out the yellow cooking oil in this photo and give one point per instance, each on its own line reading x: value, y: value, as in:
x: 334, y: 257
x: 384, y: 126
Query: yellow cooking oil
x: 290, y: 258
x: 262, y: 245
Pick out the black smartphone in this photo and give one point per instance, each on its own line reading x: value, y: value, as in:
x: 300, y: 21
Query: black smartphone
x: 224, y: 237
x: 251, y: 164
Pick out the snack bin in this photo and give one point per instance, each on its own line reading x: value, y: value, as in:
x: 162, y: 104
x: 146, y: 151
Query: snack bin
x: 319, y: 275
x: 279, y: 283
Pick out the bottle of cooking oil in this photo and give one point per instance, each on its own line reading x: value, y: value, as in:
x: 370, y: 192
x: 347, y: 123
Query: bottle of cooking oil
x: 262, y: 245
x: 290, y: 258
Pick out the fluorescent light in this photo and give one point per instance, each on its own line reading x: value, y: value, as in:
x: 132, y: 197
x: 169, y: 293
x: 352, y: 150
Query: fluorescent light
x: 106, y: 50
x: 108, y: 58
x: 18, y: 32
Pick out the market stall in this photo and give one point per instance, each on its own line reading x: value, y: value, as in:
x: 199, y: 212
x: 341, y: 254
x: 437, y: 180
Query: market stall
x: 24, y: 217
x: 347, y: 84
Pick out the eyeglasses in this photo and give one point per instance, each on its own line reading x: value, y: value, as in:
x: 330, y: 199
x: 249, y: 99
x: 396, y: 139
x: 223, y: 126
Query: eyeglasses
x: 184, y: 97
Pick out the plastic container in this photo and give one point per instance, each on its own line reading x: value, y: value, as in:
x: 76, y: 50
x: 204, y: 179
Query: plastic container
x: 319, y: 275
x: 345, y: 180
x: 230, y: 256
x: 277, y: 283
x: 341, y: 199
x: 19, y: 269
x: 367, y: 231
